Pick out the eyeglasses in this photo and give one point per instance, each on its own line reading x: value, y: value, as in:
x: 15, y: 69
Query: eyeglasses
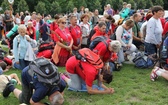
x: 63, y: 22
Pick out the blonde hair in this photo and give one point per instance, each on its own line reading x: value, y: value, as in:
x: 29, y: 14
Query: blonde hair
x: 115, y: 45
x: 30, y: 23
x: 57, y: 98
x: 21, y: 27
x: 61, y: 20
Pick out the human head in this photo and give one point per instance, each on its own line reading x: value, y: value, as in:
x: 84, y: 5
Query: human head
x: 102, y: 26
x: 137, y: 17
x: 157, y: 11
x: 73, y: 20
x: 114, y: 46
x: 85, y: 18
x: 129, y: 24
x: 96, y: 12
x: 22, y: 30
x: 110, y: 19
x: 105, y: 76
x: 29, y: 24
x: 56, y: 98
x: 33, y: 15
x: 86, y: 10
x: 108, y: 6
x: 62, y: 22
x: 129, y: 6
x: 56, y: 17
x: 124, y: 4
x: 3, y: 65
x: 21, y: 13
x: 75, y: 10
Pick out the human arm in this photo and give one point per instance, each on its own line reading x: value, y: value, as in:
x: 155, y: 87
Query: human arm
x: 14, y: 76
x: 119, y: 33
x: 96, y: 91
x: 15, y: 50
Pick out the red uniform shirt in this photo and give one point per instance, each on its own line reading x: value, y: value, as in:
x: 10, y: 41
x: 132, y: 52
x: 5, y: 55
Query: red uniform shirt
x: 64, y: 36
x: 88, y: 73
x: 32, y: 34
x: 76, y: 34
x: 102, y: 50
x: 53, y: 27
x: 165, y: 30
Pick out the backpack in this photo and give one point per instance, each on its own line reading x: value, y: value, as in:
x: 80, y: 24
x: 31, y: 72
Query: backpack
x: 86, y: 55
x: 46, y: 45
x: 143, y: 61
x: 98, y: 39
x: 44, y: 71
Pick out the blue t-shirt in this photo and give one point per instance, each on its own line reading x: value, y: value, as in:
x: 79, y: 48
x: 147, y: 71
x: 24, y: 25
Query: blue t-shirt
x: 40, y: 89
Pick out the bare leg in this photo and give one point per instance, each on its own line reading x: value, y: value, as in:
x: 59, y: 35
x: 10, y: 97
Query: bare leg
x: 17, y: 92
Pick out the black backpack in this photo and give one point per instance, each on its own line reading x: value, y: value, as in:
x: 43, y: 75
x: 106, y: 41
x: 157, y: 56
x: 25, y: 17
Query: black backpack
x: 45, y: 71
x: 98, y: 39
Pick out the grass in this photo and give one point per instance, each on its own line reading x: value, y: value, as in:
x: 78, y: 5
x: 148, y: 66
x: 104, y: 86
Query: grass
x: 132, y: 87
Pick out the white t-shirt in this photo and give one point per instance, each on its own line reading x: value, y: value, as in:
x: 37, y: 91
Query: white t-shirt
x: 26, y: 19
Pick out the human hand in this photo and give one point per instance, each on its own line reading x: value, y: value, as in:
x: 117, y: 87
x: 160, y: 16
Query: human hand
x: 28, y: 39
x: 19, y: 83
x: 17, y: 62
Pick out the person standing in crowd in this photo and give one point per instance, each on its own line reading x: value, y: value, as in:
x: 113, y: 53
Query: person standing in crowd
x: 33, y: 18
x: 22, y: 17
x: 124, y: 35
x: 41, y: 90
x: 75, y: 12
x: 124, y: 13
x: 95, y: 18
x: 31, y: 31
x: 154, y: 31
x: 1, y: 26
x: 53, y: 27
x: 85, y: 27
x: 64, y: 43
x: 8, y: 21
x: 76, y: 33
x: 81, y: 12
x: 27, y: 18
x: 138, y: 38
x: 109, y: 10
x: 38, y: 27
x: 17, y: 19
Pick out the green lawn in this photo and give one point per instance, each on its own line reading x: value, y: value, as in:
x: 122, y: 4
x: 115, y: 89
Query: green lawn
x: 132, y: 87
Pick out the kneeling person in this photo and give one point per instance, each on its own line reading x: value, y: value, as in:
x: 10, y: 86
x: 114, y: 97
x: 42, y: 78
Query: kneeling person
x: 41, y: 90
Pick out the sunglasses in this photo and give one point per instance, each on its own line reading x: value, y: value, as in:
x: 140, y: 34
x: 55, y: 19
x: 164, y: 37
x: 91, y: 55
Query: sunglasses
x: 63, y: 22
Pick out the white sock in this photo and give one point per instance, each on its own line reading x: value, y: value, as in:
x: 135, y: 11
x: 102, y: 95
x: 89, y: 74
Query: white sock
x: 163, y: 70
x: 159, y: 72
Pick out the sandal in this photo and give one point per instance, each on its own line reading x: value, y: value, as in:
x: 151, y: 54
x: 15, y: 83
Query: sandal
x: 153, y: 74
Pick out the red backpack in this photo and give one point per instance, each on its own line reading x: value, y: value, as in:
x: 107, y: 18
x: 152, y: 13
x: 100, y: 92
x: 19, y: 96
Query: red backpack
x: 86, y: 55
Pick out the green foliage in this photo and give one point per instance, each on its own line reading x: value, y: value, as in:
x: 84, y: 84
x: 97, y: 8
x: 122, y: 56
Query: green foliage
x: 159, y: 2
x: 5, y: 5
x: 40, y: 8
x: 69, y: 7
x: 55, y: 8
x: 97, y: 5
x: 22, y: 6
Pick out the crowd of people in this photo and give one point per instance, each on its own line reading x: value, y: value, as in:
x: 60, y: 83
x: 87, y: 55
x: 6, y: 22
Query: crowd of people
x: 134, y: 31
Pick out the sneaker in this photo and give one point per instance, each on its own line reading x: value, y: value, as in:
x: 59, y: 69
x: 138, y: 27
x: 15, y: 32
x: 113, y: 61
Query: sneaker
x: 6, y: 91
x: 153, y: 74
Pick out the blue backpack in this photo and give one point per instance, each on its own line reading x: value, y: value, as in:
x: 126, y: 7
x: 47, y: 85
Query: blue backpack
x: 143, y: 61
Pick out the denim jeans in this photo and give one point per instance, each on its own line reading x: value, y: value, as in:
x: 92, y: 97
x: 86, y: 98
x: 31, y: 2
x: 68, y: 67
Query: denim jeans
x: 23, y: 63
x: 150, y: 48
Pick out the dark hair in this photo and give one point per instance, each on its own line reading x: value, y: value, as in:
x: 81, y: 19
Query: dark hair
x: 108, y: 77
x: 156, y: 9
x: 111, y: 18
x: 56, y: 17
x: 83, y: 16
x: 100, y: 24
x: 3, y: 65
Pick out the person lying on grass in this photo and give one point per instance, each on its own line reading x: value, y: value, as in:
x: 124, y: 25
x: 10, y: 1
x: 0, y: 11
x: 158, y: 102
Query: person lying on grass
x: 4, y: 79
x: 83, y: 73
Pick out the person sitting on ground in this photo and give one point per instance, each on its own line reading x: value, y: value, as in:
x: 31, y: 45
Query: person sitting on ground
x: 124, y: 35
x: 31, y: 31
x: 83, y: 73
x: 41, y: 90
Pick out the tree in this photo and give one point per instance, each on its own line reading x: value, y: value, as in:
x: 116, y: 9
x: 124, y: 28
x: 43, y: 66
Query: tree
x: 149, y: 3
x: 159, y: 2
x: 55, y: 8
x: 70, y: 6
x: 22, y: 6
x: 40, y: 8
x: 141, y: 4
x: 97, y: 5
x: 117, y: 4
x: 5, y: 6
x: 132, y: 4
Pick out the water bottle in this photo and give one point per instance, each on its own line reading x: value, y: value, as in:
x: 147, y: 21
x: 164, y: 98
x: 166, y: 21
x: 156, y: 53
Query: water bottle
x: 164, y: 53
